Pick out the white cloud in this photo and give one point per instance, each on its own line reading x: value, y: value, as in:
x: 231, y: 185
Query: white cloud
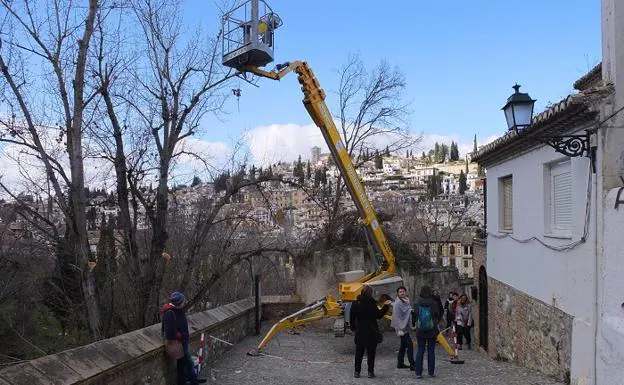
x: 266, y: 145
x: 9, y: 167
x: 15, y: 165
x: 21, y: 171
x: 201, y: 158
x: 285, y: 142
x: 197, y: 154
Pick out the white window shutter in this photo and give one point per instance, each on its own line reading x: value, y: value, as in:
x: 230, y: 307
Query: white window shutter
x: 561, y: 213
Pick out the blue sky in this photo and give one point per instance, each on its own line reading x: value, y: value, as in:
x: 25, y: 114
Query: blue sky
x: 460, y: 59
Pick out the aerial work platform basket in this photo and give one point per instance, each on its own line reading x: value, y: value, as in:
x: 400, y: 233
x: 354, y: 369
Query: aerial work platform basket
x: 248, y: 35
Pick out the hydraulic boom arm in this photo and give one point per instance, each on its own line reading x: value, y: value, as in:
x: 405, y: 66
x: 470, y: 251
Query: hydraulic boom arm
x: 247, y: 40
x: 314, y: 102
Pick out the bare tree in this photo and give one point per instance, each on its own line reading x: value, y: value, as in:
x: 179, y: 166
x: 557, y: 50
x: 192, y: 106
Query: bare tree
x: 216, y: 242
x: 371, y: 110
x: 181, y: 86
x: 58, y: 37
x: 155, y: 95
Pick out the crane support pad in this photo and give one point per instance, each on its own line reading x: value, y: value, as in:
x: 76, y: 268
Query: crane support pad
x: 387, y: 286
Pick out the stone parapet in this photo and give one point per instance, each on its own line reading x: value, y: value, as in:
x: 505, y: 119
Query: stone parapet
x: 138, y: 357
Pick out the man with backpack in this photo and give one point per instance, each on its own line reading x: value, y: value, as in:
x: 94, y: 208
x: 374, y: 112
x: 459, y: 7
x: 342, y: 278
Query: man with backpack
x: 426, y: 317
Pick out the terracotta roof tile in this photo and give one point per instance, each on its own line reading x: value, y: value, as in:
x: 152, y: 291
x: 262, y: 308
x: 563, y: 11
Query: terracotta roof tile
x: 590, y: 79
x: 566, y: 106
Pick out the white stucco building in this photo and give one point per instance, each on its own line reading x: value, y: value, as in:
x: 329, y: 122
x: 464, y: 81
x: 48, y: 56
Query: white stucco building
x: 554, y: 268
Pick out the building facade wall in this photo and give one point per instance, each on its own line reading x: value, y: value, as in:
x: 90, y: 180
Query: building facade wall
x: 610, y: 336
x: 528, y: 331
x: 610, y: 284
x: 563, y: 279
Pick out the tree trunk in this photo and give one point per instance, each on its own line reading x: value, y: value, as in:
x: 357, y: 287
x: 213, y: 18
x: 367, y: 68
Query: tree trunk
x: 77, y: 191
x: 159, y: 241
x: 121, y: 172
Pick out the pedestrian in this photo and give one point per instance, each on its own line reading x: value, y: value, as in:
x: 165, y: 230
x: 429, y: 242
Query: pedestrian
x: 463, y: 321
x: 402, y: 322
x: 427, y: 317
x: 448, y: 309
x: 175, y: 328
x: 436, y: 297
x: 364, y: 315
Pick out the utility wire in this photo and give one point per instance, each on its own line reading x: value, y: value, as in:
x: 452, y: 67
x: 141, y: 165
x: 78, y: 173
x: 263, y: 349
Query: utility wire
x: 569, y: 246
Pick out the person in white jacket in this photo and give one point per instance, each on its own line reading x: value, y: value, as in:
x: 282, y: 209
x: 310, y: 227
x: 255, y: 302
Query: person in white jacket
x: 463, y: 321
x: 402, y: 322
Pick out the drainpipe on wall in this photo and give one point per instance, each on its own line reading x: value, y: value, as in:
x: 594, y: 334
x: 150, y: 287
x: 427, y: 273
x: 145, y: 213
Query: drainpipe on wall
x: 599, y: 207
x: 485, y: 207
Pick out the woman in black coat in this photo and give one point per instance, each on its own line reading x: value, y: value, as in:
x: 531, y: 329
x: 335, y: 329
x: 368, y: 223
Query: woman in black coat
x: 364, y: 315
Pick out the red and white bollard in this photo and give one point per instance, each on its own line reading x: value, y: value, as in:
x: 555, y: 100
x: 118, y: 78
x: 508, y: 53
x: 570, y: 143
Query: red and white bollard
x: 455, y: 359
x: 200, y: 353
x: 455, y: 340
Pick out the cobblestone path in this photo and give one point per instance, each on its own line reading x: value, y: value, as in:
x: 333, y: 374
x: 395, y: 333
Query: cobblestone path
x: 314, y: 356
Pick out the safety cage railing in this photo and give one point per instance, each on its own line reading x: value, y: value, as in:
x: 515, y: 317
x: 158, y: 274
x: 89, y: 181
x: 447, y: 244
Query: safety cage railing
x: 248, y: 34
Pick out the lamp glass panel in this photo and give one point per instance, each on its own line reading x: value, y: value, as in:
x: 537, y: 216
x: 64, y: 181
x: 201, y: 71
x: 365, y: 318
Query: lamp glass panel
x: 522, y: 113
x: 509, y: 116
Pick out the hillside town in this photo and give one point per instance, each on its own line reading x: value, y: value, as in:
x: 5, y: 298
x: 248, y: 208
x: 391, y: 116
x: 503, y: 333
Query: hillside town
x: 451, y: 210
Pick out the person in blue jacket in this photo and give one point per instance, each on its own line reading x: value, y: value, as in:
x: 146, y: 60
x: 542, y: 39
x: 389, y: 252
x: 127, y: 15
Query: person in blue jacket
x: 426, y: 317
x: 175, y: 326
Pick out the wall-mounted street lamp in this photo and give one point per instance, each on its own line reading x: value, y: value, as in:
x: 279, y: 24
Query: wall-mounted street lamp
x: 518, y: 110
x: 519, y: 116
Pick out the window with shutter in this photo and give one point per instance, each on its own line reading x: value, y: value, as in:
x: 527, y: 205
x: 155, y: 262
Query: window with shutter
x: 560, y: 198
x: 506, y: 207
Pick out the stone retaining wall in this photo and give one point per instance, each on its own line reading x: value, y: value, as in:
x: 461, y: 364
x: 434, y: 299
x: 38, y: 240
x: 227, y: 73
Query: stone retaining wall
x: 441, y: 278
x: 316, y: 276
x: 138, y: 358
x: 529, y: 331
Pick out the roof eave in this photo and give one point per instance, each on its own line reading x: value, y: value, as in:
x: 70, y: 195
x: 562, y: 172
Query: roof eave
x: 590, y: 79
x: 565, y: 116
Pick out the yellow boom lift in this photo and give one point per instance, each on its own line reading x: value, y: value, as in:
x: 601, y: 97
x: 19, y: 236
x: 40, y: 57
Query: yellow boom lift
x: 248, y: 37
